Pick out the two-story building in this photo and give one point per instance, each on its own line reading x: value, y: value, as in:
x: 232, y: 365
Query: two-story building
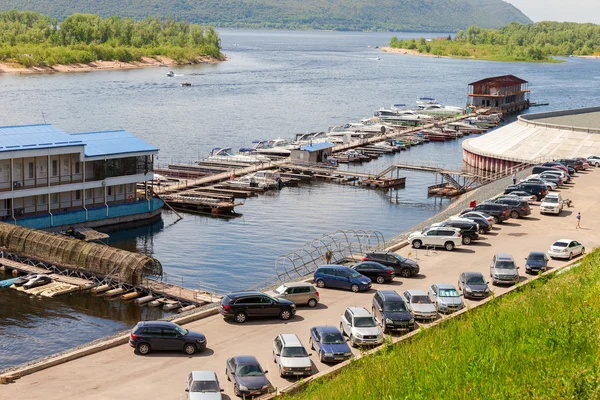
x: 505, y: 94
x: 52, y: 179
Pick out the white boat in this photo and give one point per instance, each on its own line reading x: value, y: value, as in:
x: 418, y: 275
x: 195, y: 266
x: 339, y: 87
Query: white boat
x: 304, y: 139
x: 284, y: 143
x: 265, y: 148
x: 338, y: 134
x: 438, y: 110
x: 366, y: 125
x: 259, y: 179
x: 402, y: 109
x: 227, y: 154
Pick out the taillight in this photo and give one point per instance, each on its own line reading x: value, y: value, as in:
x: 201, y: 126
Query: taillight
x: 317, y: 294
x: 226, y: 308
x: 523, y: 209
x: 543, y: 192
x: 389, y: 271
x: 459, y: 235
x: 365, y: 259
x: 503, y: 212
x: 133, y: 336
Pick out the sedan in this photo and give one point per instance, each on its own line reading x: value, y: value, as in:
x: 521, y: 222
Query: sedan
x: 529, y: 198
x: 549, y: 185
x: 473, y: 285
x: 566, y: 248
x: 377, y: 272
x: 420, y: 304
x: 536, y: 261
x: 248, y: 377
x: 203, y: 385
x: 445, y: 297
x: 329, y: 343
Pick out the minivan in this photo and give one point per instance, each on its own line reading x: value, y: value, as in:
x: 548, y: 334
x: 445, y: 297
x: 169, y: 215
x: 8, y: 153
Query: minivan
x: 301, y: 293
x: 337, y: 276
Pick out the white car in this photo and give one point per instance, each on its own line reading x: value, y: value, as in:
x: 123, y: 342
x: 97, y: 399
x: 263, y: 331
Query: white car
x: 476, y: 214
x: 446, y: 237
x: 203, y: 385
x: 291, y: 356
x: 445, y: 297
x: 552, y: 204
x: 566, y: 248
x: 521, y: 195
x: 558, y: 172
x: 420, y: 305
x: 594, y: 160
x: 359, y: 325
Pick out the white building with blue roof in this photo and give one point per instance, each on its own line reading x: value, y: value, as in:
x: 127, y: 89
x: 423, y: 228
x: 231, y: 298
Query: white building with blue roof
x: 52, y: 179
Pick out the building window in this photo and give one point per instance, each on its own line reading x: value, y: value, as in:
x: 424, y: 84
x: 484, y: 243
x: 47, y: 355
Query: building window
x: 42, y: 200
x: 109, y: 191
x: 54, y: 167
x: 54, y: 198
x: 78, y: 195
x: 77, y: 166
x: 88, y: 194
x: 30, y: 170
x: 120, y: 189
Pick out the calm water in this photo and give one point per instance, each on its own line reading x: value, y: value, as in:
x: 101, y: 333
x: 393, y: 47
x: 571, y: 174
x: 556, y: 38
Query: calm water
x: 274, y: 84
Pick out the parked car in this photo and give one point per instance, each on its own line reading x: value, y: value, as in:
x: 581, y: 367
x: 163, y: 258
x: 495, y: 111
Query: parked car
x: 569, y: 162
x: 243, y: 305
x: 360, y: 327
x: 558, y: 165
x: 536, y: 179
x: 300, y: 293
x: 538, y: 169
x: 337, y: 276
x: 291, y: 356
x: 448, y: 238
x: 536, y: 261
x: 594, y: 160
x: 516, y: 208
x: 498, y: 212
x: 566, y: 248
x: 555, y: 171
x: 420, y: 304
x: 585, y: 163
x: 203, y: 385
x: 503, y: 269
x: 329, y: 343
x: 482, y: 223
x: 149, y: 336
x: 375, y: 271
x: 523, y: 196
x: 36, y: 281
x: 473, y: 285
x: 249, y: 379
x: 445, y: 297
x: 391, y: 312
x: 474, y: 215
x: 532, y: 188
x: 552, y: 203
x: 550, y: 177
x: 469, y: 230
x: 402, y: 266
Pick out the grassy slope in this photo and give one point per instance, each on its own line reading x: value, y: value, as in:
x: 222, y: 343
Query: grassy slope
x: 539, y: 343
x: 428, y: 15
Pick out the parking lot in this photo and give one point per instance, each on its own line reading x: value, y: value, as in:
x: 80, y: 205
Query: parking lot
x: 119, y: 373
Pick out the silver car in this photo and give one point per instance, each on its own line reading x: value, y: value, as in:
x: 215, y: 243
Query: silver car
x: 420, y: 304
x: 503, y: 269
x: 445, y: 297
x: 301, y: 293
x: 203, y: 385
x: 291, y: 356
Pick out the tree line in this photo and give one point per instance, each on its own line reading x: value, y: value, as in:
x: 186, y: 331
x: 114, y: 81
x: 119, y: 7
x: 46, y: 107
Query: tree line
x: 513, y: 42
x: 33, y: 39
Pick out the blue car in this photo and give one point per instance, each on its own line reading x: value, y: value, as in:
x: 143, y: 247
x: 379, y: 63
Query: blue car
x: 336, y: 276
x: 329, y: 343
x: 536, y: 261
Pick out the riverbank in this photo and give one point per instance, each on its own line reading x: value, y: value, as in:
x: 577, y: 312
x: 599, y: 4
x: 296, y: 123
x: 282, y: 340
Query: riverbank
x: 100, y: 65
x: 410, y: 52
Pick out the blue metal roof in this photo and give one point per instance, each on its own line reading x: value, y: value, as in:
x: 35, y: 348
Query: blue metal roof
x: 318, y: 146
x: 111, y: 143
x: 27, y: 137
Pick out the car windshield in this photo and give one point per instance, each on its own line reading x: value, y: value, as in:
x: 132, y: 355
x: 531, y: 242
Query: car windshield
x: 364, y: 322
x: 181, y: 330
x: 448, y: 293
x: 537, y: 257
x: 399, y: 257
x: 205, y: 386
x: 333, y: 338
x: 420, y: 300
x: 505, y: 265
x: 249, y: 370
x: 354, y: 274
x: 395, y: 307
x: 280, y: 289
x: 475, y: 280
x: 560, y: 244
x: 551, y: 200
x: 294, y: 352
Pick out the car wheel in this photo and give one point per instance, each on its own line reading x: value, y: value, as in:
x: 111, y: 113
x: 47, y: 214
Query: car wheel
x: 285, y: 315
x: 496, y: 219
x: 240, y: 317
x: 380, y: 279
x: 274, y: 359
x: 312, y: 345
x: 352, y: 342
x: 227, y: 375
x: 143, y: 348
x: 189, y: 349
x: 342, y: 330
x: 466, y: 240
x: 321, y: 358
x: 312, y: 303
x: 417, y: 244
x: 354, y: 288
x: 449, y: 246
x: 582, y: 250
x: 481, y: 231
x: 514, y: 214
x: 320, y: 283
x: 236, y: 390
x: 384, y: 328
x: 570, y: 256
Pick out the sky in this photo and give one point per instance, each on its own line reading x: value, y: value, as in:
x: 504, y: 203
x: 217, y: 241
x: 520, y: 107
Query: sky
x: 560, y: 10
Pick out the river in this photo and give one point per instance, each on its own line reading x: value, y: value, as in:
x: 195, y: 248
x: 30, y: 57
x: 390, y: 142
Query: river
x: 274, y: 84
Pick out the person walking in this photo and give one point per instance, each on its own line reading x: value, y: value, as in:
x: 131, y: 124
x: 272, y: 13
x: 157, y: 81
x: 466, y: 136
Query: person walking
x: 578, y: 226
x: 514, y: 178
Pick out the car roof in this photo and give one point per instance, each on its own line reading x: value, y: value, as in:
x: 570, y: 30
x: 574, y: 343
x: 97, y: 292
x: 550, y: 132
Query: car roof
x: 359, y: 311
x: 379, y: 252
x: 332, y: 266
x: 245, y: 360
x: 156, y: 323
x: 472, y: 273
x: 204, y: 375
x: 235, y: 295
x: 390, y: 295
x: 327, y: 329
x: 445, y: 286
x: 290, y: 339
x: 537, y: 253
x: 504, y: 256
x: 297, y: 284
x: 553, y: 194
x: 564, y: 240
x: 416, y: 292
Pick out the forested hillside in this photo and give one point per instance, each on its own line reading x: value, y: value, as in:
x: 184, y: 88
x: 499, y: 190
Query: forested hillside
x: 407, y: 15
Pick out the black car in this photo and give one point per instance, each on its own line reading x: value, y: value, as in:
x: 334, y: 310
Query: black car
x: 149, y: 336
x: 469, y: 230
x: 391, y: 312
x: 473, y: 285
x: 402, y: 266
x: 517, y: 208
x: 241, y: 305
x: 499, y: 212
x: 376, y: 271
x: 571, y: 162
x: 538, y: 169
x: 249, y: 379
x: 536, y: 189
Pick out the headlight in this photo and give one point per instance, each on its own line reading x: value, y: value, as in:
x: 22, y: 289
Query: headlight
x: 266, y: 386
x: 201, y: 340
x: 389, y: 321
x: 328, y: 354
x: 242, y: 387
x: 468, y: 289
x: 348, y: 354
x: 358, y: 335
x: 487, y: 290
x: 412, y: 321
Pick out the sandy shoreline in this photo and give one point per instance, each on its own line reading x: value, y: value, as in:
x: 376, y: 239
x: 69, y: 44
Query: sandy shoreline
x: 146, y: 62
x: 409, y: 52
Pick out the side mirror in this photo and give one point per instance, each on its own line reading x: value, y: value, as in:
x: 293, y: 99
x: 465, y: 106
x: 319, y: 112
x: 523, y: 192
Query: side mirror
x: 232, y: 372
x: 309, y: 354
x: 278, y: 354
x: 222, y: 390
x: 265, y: 371
x: 187, y: 390
x: 487, y: 282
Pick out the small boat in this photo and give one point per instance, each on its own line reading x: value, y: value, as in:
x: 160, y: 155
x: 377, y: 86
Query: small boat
x: 170, y: 74
x: 265, y: 148
x: 163, y: 65
x: 259, y: 179
x: 7, y: 282
x: 227, y: 154
x: 304, y: 139
x: 186, y: 84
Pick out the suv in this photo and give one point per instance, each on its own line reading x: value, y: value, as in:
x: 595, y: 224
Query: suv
x: 449, y: 238
x: 402, y: 266
x: 503, y: 269
x: 517, y: 208
x: 291, y: 356
x: 498, y: 212
x: 375, y: 271
x: 298, y: 293
x: 533, y: 188
x: 569, y: 162
x: 360, y: 327
x: 594, y: 160
x: 149, y: 336
x: 337, y: 276
x: 552, y: 203
x: 391, y: 312
x: 241, y: 305
x: 468, y: 229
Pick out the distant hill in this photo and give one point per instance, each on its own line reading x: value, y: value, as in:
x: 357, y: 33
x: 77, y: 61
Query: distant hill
x: 398, y: 15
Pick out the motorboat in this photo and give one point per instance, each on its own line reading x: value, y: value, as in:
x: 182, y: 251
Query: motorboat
x: 304, y: 139
x: 227, y: 154
x: 38, y: 280
x: 338, y: 134
x: 366, y: 125
x: 170, y: 74
x: 396, y: 117
x: 24, y: 279
x: 438, y: 110
x: 186, y: 84
x: 465, y: 127
x: 265, y: 148
x: 402, y: 109
x: 284, y: 143
x: 260, y: 179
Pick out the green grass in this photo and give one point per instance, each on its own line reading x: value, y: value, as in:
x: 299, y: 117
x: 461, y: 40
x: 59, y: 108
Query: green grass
x: 539, y: 342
